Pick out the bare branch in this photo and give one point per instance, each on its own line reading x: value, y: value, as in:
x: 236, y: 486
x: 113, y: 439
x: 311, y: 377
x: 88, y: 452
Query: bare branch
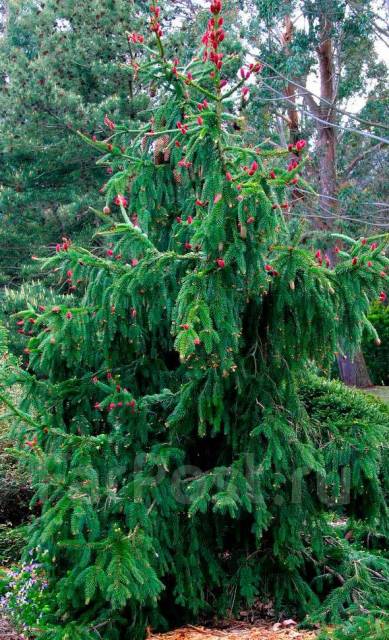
x: 361, y: 157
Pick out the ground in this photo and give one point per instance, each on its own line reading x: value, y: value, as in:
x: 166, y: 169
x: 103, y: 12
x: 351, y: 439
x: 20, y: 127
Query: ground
x: 236, y: 631
x: 380, y: 392
x: 239, y: 631
x: 6, y: 632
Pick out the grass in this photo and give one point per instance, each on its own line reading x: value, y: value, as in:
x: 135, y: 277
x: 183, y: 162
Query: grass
x: 381, y: 392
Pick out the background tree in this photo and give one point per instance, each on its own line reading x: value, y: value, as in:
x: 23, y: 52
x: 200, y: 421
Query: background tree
x: 336, y: 42
x: 61, y: 69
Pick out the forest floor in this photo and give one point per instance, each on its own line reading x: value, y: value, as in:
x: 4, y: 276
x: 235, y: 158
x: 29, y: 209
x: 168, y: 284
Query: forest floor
x: 6, y: 631
x: 239, y: 631
x: 236, y: 631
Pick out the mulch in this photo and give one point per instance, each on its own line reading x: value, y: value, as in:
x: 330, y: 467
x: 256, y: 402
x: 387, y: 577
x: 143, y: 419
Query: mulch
x: 237, y: 631
x: 286, y: 630
x: 6, y: 631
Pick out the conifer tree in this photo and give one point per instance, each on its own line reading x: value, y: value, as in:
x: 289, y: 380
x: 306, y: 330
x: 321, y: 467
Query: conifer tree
x: 178, y: 471
x: 61, y: 68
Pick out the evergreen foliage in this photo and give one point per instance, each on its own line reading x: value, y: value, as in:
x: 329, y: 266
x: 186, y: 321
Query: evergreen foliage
x: 12, y: 542
x: 177, y: 466
x: 362, y: 626
x: 63, y: 66
x: 378, y: 354
x: 37, y: 295
x: 364, y: 593
x: 351, y: 429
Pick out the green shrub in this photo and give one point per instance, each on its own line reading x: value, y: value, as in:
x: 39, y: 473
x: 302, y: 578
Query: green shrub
x: 360, y: 628
x: 12, y: 541
x: 329, y: 400
x: 377, y: 356
x: 352, y: 434
x: 15, y: 489
x: 357, y: 573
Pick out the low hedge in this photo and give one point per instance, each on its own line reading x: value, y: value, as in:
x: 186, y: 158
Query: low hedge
x: 377, y: 356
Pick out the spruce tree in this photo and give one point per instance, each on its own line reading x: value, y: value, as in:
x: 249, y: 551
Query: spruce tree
x: 178, y: 470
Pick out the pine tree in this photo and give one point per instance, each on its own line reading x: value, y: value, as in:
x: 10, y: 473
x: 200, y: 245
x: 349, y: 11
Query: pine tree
x: 178, y: 469
x: 63, y: 66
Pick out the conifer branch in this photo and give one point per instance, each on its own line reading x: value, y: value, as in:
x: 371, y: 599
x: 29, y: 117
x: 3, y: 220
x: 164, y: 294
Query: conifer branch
x: 20, y: 414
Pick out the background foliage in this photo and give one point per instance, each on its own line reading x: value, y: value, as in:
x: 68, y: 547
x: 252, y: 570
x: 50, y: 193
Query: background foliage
x: 61, y: 68
x: 378, y: 355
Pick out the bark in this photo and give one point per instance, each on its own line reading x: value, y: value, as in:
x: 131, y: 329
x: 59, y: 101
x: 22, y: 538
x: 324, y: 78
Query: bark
x: 290, y: 89
x: 327, y: 174
x: 327, y: 133
x: 4, y: 10
x: 352, y: 371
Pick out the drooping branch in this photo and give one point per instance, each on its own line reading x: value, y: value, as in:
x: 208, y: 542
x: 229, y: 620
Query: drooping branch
x: 361, y: 157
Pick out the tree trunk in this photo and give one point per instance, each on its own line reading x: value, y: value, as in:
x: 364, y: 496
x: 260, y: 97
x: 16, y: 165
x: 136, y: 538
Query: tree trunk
x: 291, y: 94
x: 352, y: 371
x: 290, y: 89
x: 3, y: 16
x: 327, y: 173
x: 327, y: 133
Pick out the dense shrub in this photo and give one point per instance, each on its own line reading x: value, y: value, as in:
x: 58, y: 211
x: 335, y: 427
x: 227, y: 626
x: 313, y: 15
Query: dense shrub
x: 12, y: 541
x: 377, y: 356
x: 348, y: 421
x: 352, y: 432
x: 15, y: 489
x: 327, y: 400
